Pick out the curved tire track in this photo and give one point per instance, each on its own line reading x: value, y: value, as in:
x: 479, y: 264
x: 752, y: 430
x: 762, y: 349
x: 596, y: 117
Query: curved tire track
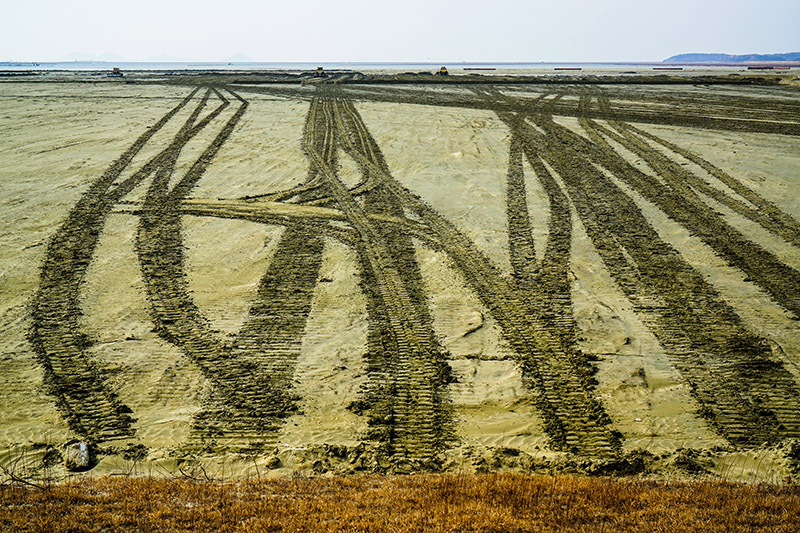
x: 71, y: 375
x: 558, y: 376
x: 744, y: 392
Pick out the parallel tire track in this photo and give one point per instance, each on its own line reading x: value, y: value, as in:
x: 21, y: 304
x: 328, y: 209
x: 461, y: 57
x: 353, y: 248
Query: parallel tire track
x: 413, y: 422
x: 548, y: 287
x: 378, y: 400
x: 558, y: 376
x: 760, y: 210
x: 71, y: 375
x: 270, y: 340
x: 520, y: 235
x: 743, y: 391
x: 683, y: 205
x: 247, y: 401
x: 266, y: 348
x: 546, y: 283
x: 686, y: 111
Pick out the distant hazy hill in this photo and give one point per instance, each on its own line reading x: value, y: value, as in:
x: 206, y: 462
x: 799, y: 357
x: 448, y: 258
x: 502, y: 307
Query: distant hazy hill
x: 727, y: 58
x: 239, y: 58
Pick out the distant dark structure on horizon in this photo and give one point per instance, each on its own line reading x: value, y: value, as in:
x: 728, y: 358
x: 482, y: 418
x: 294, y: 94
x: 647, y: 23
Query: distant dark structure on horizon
x: 727, y: 58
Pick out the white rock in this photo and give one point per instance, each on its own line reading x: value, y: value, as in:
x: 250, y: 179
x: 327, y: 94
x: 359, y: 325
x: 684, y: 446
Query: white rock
x: 77, y: 456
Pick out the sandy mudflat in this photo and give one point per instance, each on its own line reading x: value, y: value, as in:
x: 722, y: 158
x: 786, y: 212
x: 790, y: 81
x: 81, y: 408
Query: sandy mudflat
x: 400, y: 277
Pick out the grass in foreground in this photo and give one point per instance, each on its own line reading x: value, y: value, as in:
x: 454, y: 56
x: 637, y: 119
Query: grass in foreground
x: 499, y: 502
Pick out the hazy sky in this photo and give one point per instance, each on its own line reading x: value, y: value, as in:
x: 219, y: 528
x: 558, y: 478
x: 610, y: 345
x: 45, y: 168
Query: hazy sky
x: 410, y: 30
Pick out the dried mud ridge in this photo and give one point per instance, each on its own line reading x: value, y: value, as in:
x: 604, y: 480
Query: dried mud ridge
x: 737, y: 377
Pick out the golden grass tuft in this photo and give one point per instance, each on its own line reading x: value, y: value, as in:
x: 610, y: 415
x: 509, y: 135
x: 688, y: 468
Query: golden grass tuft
x: 497, y: 502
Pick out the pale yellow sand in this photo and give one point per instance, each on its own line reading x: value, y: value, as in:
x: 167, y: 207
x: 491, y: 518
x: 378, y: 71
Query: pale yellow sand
x: 58, y: 138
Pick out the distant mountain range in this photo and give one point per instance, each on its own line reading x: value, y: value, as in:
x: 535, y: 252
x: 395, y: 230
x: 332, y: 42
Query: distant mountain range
x: 727, y: 58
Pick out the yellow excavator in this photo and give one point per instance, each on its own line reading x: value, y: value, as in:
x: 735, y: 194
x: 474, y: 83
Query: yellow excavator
x: 320, y: 73
x: 442, y: 71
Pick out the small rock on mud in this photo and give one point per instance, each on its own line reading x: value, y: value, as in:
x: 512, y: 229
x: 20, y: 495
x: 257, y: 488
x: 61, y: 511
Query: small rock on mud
x: 77, y: 456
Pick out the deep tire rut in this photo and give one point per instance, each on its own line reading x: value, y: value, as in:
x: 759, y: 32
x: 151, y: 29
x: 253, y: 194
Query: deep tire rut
x: 71, y: 375
x: 405, y: 400
x: 557, y: 374
x: 743, y: 391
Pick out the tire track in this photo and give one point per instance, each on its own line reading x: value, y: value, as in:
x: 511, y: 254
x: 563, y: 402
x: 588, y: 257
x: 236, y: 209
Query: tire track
x: 314, y: 218
x: 271, y: 338
x: 249, y: 397
x: 742, y: 106
x: 406, y: 402
x: 266, y: 348
x: 71, y: 375
x: 554, y: 272
x: 378, y: 201
x: 688, y: 111
x: 743, y: 391
x: 522, y: 250
x: 558, y: 376
x: 682, y: 204
x: 760, y: 210
x: 549, y: 283
x: 546, y: 283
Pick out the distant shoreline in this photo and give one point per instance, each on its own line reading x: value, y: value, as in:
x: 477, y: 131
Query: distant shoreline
x: 364, y: 66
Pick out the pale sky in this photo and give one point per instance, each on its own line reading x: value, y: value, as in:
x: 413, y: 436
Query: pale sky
x: 403, y: 31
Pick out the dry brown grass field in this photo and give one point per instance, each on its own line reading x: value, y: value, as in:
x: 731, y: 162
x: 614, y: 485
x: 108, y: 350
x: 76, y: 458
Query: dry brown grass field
x: 240, y: 277
x: 436, y: 503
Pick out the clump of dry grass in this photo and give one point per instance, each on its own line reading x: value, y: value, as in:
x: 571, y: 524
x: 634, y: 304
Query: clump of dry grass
x: 498, y: 502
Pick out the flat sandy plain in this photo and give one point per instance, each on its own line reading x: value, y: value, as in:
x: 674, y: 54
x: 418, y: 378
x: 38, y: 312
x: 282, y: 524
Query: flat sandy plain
x: 280, y: 278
